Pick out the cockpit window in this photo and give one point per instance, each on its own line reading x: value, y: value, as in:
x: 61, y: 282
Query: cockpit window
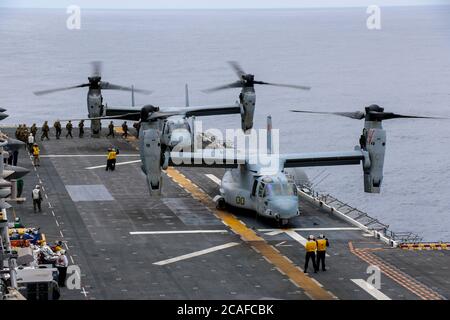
x: 273, y: 189
x: 277, y: 189
x: 181, y: 125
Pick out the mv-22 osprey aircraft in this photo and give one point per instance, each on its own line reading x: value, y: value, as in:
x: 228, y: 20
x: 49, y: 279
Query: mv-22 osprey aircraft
x: 251, y: 183
x: 96, y: 108
x: 269, y: 190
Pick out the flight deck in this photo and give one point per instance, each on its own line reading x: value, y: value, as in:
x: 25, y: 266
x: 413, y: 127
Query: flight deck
x: 130, y: 245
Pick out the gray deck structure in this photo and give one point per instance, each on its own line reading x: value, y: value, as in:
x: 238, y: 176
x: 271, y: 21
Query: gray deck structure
x: 96, y: 212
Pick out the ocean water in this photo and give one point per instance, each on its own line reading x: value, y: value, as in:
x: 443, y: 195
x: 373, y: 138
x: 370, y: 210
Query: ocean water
x: 404, y: 67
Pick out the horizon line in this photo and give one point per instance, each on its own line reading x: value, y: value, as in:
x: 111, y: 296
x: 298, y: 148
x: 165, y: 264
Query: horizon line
x: 230, y: 8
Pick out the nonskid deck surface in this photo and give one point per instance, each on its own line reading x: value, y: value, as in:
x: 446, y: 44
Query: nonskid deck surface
x: 177, y: 246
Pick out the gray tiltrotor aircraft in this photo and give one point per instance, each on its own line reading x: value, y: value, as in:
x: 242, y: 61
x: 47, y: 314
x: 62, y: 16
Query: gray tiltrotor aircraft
x: 267, y: 189
x: 95, y: 105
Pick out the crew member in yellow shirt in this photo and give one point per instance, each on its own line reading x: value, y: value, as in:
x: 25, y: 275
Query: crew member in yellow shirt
x: 36, y: 153
x: 111, y: 159
x: 322, y: 244
x: 311, y: 247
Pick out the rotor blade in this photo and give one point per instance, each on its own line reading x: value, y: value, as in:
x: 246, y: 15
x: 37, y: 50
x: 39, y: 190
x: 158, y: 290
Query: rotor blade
x: 358, y: 115
x: 2, y: 110
x: 110, y: 86
x: 3, y: 116
x: 390, y: 115
x: 283, y: 85
x: 96, y: 68
x: 237, y: 68
x: 237, y: 84
x: 42, y: 92
x: 105, y: 118
x: 162, y: 115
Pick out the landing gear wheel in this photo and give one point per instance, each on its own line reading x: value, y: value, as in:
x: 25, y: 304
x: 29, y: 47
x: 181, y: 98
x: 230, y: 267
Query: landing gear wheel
x: 221, y: 204
x: 165, y: 160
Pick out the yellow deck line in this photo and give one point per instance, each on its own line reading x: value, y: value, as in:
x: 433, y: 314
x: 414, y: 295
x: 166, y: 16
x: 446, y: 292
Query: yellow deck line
x: 402, y: 278
x: 311, y: 288
x: 130, y: 137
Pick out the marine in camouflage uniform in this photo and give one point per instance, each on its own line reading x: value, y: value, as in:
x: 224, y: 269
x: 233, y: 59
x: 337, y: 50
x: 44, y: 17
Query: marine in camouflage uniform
x: 45, y: 130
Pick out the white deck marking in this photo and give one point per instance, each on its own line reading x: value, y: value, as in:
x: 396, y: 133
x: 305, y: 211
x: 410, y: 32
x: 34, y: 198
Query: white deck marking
x: 214, y: 179
x: 196, y: 254
x: 294, y: 235
x: 117, y: 164
x: 374, y: 292
x: 84, y: 155
x: 273, y: 233
x: 177, y: 232
x: 313, y: 229
x: 291, y: 233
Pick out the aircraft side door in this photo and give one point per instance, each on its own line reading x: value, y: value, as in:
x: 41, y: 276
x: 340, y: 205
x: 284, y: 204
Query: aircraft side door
x: 260, y: 206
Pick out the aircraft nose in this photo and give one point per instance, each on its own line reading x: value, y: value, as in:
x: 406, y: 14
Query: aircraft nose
x: 285, y: 208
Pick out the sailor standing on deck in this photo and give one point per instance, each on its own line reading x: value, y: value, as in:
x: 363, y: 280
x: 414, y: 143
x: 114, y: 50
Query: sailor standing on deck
x: 81, y: 129
x: 111, y: 129
x: 58, y: 129
x: 62, y: 263
x: 311, y: 247
x: 322, y: 244
x: 137, y: 126
x: 36, y: 152
x: 45, y: 129
x: 69, y: 128
x: 125, y: 129
x: 36, y: 195
x: 111, y: 160
x: 30, y: 143
x: 33, y: 130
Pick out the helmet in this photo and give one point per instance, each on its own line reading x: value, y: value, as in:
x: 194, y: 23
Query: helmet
x: 311, y: 237
x: 17, y: 219
x: 321, y: 236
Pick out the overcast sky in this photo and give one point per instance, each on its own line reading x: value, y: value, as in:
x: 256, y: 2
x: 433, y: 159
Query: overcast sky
x: 208, y: 4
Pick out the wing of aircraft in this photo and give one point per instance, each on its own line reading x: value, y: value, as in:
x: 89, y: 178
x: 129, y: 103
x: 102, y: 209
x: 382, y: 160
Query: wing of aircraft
x: 322, y: 159
x: 132, y: 113
x: 217, y: 158
x: 230, y: 158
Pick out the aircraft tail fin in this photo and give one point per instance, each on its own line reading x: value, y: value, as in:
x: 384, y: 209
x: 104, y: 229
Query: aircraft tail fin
x: 186, y: 94
x: 269, y: 134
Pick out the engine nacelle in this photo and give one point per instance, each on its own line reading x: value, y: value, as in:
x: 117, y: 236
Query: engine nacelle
x: 375, y: 145
x: 150, y: 149
x: 247, y: 100
x: 95, y: 110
